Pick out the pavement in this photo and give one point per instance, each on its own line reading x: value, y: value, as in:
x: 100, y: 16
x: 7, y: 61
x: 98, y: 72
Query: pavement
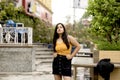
x: 26, y: 77
x: 43, y: 72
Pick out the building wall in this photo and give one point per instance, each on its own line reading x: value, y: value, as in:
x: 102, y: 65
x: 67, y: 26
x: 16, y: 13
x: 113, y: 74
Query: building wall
x: 17, y: 58
x: 18, y: 3
x: 42, y: 12
x: 47, y: 3
x: 39, y: 9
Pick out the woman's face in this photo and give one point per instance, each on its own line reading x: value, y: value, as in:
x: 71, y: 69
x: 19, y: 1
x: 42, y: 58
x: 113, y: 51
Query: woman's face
x: 60, y: 29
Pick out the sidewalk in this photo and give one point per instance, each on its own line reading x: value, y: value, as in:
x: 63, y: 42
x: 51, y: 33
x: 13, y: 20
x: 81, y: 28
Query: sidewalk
x: 43, y: 72
x: 22, y: 76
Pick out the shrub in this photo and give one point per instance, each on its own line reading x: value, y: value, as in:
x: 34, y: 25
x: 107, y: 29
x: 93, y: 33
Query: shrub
x: 104, y: 45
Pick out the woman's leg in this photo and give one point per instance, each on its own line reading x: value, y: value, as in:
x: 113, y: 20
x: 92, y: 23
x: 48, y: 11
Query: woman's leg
x: 66, y: 77
x: 58, y: 77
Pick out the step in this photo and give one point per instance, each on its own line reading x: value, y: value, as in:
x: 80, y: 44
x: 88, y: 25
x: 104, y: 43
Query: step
x: 43, y: 61
x: 39, y: 63
x: 37, y: 46
x: 43, y: 53
x: 43, y: 56
x: 47, y: 61
x: 44, y: 68
x: 43, y: 49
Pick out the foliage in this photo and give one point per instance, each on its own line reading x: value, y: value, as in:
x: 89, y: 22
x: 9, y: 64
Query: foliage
x: 85, y: 15
x: 102, y: 45
x: 106, y: 19
x: 81, y: 31
x: 40, y: 30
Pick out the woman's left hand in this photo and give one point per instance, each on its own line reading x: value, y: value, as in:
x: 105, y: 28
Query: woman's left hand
x: 69, y: 56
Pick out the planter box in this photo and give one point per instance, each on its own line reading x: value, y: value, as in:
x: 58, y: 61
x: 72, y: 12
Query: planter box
x: 115, y: 58
x: 113, y: 55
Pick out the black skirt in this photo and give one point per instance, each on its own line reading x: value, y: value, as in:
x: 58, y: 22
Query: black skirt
x: 61, y: 66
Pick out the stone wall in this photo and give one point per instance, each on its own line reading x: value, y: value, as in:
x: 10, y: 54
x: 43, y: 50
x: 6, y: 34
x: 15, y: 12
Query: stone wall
x: 17, y: 59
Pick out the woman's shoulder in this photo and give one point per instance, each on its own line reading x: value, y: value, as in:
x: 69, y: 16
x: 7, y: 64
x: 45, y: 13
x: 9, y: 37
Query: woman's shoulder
x: 70, y: 37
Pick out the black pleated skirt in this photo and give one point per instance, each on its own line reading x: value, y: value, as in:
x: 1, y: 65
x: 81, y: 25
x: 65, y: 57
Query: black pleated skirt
x: 61, y: 66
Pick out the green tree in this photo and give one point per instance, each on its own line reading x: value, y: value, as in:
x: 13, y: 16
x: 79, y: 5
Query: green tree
x: 106, y: 19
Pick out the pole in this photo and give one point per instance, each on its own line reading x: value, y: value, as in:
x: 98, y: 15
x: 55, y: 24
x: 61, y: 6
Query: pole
x: 74, y: 19
x: 74, y: 15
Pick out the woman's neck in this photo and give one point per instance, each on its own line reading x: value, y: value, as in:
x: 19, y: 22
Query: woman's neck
x: 60, y: 35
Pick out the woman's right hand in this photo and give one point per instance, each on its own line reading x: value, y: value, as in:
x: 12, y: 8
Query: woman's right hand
x: 54, y: 55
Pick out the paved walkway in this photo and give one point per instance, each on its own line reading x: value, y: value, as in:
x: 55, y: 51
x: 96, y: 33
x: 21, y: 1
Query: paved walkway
x: 44, y: 72
x: 26, y: 77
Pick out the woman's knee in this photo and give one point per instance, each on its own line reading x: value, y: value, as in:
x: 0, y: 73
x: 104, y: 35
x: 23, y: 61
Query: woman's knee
x: 58, y: 77
x: 66, y: 77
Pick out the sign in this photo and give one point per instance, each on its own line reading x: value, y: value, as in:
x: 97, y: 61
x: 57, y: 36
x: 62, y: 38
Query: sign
x: 76, y: 3
x: 80, y: 4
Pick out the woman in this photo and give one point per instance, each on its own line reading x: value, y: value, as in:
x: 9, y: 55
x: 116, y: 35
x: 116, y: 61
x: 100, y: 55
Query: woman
x: 62, y: 45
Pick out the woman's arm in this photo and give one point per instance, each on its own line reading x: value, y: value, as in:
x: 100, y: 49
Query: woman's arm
x: 74, y: 42
x: 55, y: 54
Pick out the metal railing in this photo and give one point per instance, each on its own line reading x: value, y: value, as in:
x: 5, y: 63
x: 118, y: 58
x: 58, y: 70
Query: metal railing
x: 15, y: 35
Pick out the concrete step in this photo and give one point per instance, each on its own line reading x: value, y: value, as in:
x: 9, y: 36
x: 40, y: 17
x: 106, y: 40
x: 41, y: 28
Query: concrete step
x: 43, y: 49
x: 45, y: 68
x: 43, y: 56
x: 43, y: 52
x: 47, y: 61
x: 39, y: 61
x: 37, y: 46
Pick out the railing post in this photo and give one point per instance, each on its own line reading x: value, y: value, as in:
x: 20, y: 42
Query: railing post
x: 74, y: 73
x: 13, y: 37
x: 1, y: 35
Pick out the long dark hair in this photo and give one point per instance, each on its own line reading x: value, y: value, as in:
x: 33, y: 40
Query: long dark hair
x: 64, y: 37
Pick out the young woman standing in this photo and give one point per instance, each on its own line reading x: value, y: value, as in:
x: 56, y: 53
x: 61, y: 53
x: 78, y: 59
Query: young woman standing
x: 62, y: 45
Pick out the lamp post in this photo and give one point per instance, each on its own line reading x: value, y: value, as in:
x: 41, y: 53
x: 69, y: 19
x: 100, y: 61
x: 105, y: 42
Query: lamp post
x: 76, y: 4
x: 74, y: 24
x: 79, y: 4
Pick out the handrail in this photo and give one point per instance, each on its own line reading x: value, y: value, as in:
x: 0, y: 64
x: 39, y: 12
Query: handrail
x: 15, y: 35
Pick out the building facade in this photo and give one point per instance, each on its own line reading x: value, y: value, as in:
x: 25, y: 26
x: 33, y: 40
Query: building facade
x: 47, y: 3
x: 38, y: 8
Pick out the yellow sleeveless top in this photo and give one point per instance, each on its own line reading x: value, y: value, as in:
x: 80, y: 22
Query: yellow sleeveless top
x: 61, y: 48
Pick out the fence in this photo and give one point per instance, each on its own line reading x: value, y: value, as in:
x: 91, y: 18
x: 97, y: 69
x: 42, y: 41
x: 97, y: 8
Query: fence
x: 15, y: 35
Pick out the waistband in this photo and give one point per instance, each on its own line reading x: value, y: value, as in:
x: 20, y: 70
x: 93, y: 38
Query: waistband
x: 61, y: 55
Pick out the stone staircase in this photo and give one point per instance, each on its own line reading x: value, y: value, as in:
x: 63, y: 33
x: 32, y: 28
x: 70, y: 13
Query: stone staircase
x: 43, y: 57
